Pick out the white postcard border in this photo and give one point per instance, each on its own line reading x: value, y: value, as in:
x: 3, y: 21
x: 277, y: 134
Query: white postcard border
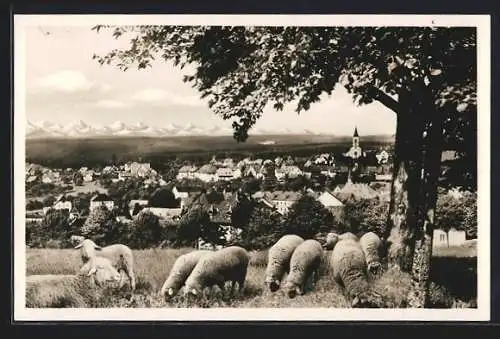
x: 482, y: 313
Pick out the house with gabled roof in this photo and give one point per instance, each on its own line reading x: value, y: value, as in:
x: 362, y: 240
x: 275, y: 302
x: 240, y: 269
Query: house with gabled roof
x: 63, y: 203
x: 281, y: 200
x: 101, y: 199
x: 355, y: 191
x: 136, y: 205
x: 224, y: 173
x: 207, y: 173
x: 187, y: 172
x: 332, y: 204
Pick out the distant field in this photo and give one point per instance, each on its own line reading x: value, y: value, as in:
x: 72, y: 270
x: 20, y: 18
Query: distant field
x: 454, y: 282
x: 103, y: 149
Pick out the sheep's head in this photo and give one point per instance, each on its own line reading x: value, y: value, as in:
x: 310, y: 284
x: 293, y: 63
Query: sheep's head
x: 292, y: 290
x: 76, y: 239
x: 365, y: 300
x: 273, y: 284
x: 191, y: 291
x: 103, y: 274
x: 374, y: 268
x: 88, y: 248
x: 168, y: 291
x: 330, y: 241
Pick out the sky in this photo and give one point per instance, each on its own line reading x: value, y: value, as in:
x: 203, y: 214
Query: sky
x: 64, y: 85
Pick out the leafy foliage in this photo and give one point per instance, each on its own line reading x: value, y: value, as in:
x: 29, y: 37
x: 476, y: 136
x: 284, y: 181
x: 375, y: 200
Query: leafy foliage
x: 240, y: 70
x: 460, y: 213
x: 365, y: 215
x: 307, y: 217
x: 196, y: 224
x: 241, y: 213
x: 163, y: 197
x: 94, y: 223
x: 263, y: 230
x: 55, y: 226
x: 145, y: 230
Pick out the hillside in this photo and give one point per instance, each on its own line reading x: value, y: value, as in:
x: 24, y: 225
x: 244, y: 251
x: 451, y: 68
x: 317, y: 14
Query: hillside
x: 90, y: 150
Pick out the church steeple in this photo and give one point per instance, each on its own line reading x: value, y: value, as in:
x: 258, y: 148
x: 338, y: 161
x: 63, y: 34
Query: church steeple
x: 356, y: 132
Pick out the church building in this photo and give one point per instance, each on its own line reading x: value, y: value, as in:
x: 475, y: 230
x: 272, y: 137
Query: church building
x: 355, y: 152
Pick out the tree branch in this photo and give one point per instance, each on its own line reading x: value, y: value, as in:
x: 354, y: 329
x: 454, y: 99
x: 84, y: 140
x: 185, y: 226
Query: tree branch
x: 385, y: 99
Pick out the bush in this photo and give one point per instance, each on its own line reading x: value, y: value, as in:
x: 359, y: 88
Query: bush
x: 34, y: 205
x: 306, y: 218
x: 365, y: 215
x: 145, y: 231
x: 263, y: 229
x: 458, y: 213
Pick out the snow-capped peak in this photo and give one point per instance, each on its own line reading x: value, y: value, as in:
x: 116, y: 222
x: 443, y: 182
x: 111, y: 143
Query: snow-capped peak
x: 46, y: 129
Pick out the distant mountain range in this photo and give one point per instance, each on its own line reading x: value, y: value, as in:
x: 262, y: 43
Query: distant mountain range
x: 80, y: 129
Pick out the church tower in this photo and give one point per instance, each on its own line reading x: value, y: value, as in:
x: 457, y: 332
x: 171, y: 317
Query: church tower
x: 355, y: 151
x: 355, y: 138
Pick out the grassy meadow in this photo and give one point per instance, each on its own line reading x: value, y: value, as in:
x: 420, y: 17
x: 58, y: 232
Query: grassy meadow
x: 453, y: 283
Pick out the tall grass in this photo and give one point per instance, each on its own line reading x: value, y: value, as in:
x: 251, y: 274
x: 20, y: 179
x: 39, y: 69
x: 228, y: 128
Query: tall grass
x: 153, y: 265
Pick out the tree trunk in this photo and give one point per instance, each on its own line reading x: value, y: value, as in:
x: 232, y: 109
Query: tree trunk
x: 432, y: 149
x: 405, y: 185
x: 414, y: 189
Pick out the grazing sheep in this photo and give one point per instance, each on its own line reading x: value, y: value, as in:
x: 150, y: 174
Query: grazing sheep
x: 330, y: 241
x: 349, y: 270
x: 120, y: 255
x: 278, y: 261
x: 372, y: 247
x: 215, y: 268
x: 182, y: 268
x: 304, y: 266
x: 348, y: 235
x: 66, y: 290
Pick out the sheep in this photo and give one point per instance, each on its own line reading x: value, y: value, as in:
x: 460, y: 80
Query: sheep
x: 120, y: 255
x: 69, y: 290
x: 183, y: 266
x: 330, y: 241
x: 304, y: 265
x: 278, y: 261
x: 348, y: 263
x: 218, y: 267
x: 76, y: 239
x: 102, y: 271
x: 372, y: 247
x: 348, y: 235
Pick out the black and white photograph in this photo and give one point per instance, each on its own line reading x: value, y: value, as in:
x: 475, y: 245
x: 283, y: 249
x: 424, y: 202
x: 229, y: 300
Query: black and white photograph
x: 252, y: 167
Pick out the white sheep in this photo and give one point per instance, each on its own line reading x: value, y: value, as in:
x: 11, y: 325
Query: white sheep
x: 304, y: 266
x: 69, y: 290
x: 348, y: 263
x: 102, y: 271
x: 348, y: 235
x: 372, y: 247
x: 182, y: 268
x: 278, y: 261
x: 120, y: 256
x: 330, y: 241
x: 218, y: 267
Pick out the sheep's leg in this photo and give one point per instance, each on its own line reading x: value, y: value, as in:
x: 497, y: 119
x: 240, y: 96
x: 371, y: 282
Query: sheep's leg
x: 241, y: 285
x: 222, y: 287
x: 316, y: 275
x: 131, y: 277
x: 233, y: 286
x: 122, y: 281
